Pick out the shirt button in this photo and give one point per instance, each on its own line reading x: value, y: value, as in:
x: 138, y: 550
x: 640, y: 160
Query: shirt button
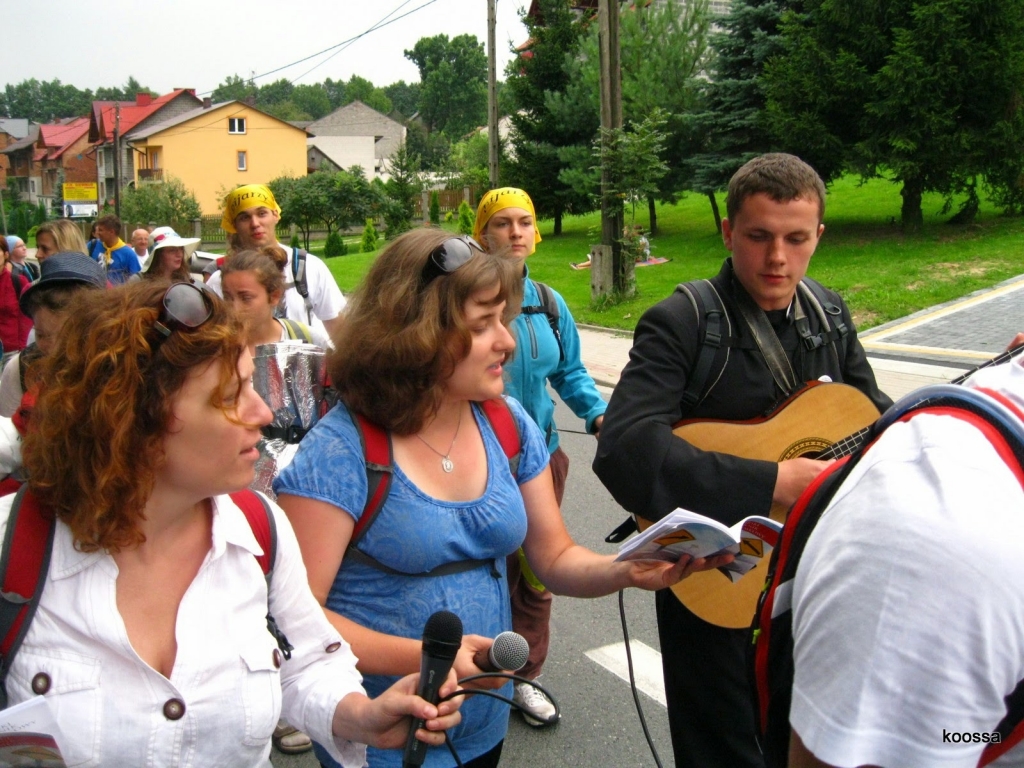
x: 174, y: 709
x: 40, y: 683
x: 333, y: 647
x: 277, y: 658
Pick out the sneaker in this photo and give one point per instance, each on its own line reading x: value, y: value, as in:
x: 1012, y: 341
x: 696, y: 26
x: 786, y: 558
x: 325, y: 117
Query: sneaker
x: 533, y: 701
x: 289, y: 740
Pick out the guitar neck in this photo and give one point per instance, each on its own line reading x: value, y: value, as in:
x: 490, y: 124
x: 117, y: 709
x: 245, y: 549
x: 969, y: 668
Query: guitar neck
x: 997, y: 360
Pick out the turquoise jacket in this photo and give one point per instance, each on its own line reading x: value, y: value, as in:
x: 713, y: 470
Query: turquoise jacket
x: 536, y: 362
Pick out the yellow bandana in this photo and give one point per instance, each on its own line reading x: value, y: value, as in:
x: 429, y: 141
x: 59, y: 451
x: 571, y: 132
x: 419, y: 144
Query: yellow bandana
x: 498, y: 200
x: 244, y: 198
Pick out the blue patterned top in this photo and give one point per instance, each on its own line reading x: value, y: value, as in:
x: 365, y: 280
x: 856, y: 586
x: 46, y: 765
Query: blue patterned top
x: 415, y: 533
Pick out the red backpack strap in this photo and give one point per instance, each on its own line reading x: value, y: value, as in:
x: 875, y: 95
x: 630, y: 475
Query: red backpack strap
x: 28, y: 544
x: 263, y: 525
x: 506, y: 429
x: 380, y: 469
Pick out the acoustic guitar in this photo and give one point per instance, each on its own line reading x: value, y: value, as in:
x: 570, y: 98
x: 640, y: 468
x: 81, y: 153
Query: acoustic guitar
x: 820, y: 421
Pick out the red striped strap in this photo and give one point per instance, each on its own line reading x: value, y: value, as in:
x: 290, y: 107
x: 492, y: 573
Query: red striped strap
x: 262, y: 523
x: 24, y: 563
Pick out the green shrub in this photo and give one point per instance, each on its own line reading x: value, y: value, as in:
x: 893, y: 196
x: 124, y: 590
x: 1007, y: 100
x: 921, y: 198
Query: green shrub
x: 435, y: 209
x: 296, y: 243
x: 467, y: 218
x: 335, y: 246
x: 369, y: 243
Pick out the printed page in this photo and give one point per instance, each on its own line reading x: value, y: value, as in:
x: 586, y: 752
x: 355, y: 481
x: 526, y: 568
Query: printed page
x: 29, y: 735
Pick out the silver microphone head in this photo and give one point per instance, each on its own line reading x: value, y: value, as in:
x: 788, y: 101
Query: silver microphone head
x: 510, y: 651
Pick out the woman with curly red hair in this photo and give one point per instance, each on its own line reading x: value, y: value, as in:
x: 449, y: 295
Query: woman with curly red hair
x: 151, y: 634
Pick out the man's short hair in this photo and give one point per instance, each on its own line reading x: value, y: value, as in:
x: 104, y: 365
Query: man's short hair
x: 780, y: 176
x: 110, y: 221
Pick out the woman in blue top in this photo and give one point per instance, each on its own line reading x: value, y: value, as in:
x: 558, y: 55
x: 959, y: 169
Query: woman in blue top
x: 506, y: 219
x: 424, y: 341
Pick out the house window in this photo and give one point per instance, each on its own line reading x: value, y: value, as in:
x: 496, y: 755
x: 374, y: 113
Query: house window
x: 32, y: 186
x: 242, y: 162
x: 154, y: 159
x: 236, y: 125
x: 103, y: 191
x: 101, y: 156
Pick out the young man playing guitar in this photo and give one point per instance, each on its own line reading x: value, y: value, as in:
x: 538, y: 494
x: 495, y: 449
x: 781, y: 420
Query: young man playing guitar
x: 775, y: 338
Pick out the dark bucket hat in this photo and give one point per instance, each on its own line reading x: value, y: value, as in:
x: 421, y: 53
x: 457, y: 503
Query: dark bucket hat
x: 65, y: 268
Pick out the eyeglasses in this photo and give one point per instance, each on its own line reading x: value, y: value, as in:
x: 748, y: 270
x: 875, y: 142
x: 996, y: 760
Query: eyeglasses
x: 449, y: 256
x: 185, y: 307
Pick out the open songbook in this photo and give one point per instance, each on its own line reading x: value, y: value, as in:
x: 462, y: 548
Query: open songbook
x: 686, y: 533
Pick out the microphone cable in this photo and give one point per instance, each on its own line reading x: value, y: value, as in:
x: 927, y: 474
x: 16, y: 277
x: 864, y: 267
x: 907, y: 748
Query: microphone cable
x: 632, y: 680
x: 499, y: 697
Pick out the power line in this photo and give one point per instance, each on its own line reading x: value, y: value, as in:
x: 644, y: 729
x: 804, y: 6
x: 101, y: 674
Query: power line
x: 349, y: 41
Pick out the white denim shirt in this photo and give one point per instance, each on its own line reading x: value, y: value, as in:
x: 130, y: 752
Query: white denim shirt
x: 113, y: 708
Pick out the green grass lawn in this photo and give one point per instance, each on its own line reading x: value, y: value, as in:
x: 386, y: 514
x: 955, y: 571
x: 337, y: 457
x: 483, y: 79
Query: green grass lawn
x: 882, y: 272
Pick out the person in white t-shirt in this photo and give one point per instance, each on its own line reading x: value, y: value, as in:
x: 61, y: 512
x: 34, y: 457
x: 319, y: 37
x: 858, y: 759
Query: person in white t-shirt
x: 253, y: 285
x: 908, y: 602
x: 250, y: 216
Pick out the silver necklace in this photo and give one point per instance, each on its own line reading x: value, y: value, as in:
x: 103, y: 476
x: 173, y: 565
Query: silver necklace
x: 446, y: 463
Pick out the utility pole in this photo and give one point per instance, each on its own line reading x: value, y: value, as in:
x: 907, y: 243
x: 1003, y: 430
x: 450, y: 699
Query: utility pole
x: 3, y: 216
x: 117, y: 159
x: 492, y: 94
x: 607, y: 260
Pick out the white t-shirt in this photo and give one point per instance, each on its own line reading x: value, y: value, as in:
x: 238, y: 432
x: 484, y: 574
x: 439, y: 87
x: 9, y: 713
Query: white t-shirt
x: 324, y: 293
x: 109, y: 704
x: 908, y: 605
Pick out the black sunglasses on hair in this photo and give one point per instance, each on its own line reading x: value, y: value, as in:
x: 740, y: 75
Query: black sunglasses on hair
x: 449, y: 256
x: 184, y: 307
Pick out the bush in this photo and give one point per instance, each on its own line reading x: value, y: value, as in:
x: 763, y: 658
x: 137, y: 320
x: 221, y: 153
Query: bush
x: 296, y: 243
x: 32, y: 234
x: 335, y: 245
x: 369, y: 243
x: 435, y: 209
x: 467, y: 218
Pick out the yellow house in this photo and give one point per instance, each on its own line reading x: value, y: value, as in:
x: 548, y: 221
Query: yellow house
x: 217, y: 147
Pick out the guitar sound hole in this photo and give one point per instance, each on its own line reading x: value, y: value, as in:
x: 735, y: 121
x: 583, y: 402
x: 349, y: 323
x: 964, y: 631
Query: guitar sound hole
x: 809, y: 445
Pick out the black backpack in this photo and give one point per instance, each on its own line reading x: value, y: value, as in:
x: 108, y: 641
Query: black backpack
x: 716, y: 331
x: 771, y: 652
x: 549, y: 307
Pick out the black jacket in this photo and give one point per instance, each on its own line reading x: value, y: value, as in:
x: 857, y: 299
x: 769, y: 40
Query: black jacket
x: 649, y: 470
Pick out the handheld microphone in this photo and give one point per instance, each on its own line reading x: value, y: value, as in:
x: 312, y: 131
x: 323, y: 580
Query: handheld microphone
x: 509, y: 651
x: 442, y: 638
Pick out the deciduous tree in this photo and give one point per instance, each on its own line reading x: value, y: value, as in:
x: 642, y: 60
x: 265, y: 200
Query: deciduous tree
x: 453, y: 83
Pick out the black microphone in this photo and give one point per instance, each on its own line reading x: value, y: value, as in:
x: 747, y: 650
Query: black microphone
x: 509, y: 651
x: 442, y: 638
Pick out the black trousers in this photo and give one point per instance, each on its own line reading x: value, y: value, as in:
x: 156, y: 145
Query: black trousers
x: 710, y: 706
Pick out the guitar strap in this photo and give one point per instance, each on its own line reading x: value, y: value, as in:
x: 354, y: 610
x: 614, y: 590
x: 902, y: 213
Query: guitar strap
x: 771, y: 349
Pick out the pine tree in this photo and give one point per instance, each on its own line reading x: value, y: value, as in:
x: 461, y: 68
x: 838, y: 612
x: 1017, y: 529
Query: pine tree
x: 732, y: 125
x: 545, y: 139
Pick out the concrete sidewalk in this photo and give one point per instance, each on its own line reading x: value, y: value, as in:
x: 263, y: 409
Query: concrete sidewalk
x: 932, y: 346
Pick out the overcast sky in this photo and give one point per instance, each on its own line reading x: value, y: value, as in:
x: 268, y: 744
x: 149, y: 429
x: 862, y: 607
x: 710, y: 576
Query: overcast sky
x: 169, y: 44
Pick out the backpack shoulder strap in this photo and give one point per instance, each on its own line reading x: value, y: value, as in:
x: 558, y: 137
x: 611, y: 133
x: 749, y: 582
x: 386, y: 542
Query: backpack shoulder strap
x: 301, y: 283
x: 830, y: 316
x: 264, y: 527
x: 297, y: 330
x: 24, y: 563
x: 549, y: 307
x: 380, y: 469
x: 714, y: 324
x: 506, y: 429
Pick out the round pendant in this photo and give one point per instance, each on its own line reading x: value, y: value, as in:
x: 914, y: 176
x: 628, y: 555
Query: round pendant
x: 446, y: 464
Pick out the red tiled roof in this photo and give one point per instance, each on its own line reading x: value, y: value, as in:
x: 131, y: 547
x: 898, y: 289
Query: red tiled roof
x: 57, y: 137
x: 102, y: 126
x: 38, y: 155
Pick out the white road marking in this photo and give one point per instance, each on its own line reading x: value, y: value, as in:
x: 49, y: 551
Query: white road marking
x: 646, y: 666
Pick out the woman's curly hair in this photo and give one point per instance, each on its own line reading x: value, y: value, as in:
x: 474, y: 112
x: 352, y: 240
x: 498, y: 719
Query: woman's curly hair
x: 95, y: 440
x: 402, y: 333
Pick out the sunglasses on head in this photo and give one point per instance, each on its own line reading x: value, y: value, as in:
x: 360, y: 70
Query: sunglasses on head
x: 185, y: 307
x: 449, y: 256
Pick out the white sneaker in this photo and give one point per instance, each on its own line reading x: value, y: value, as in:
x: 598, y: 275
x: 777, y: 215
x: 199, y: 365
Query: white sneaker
x: 541, y: 710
